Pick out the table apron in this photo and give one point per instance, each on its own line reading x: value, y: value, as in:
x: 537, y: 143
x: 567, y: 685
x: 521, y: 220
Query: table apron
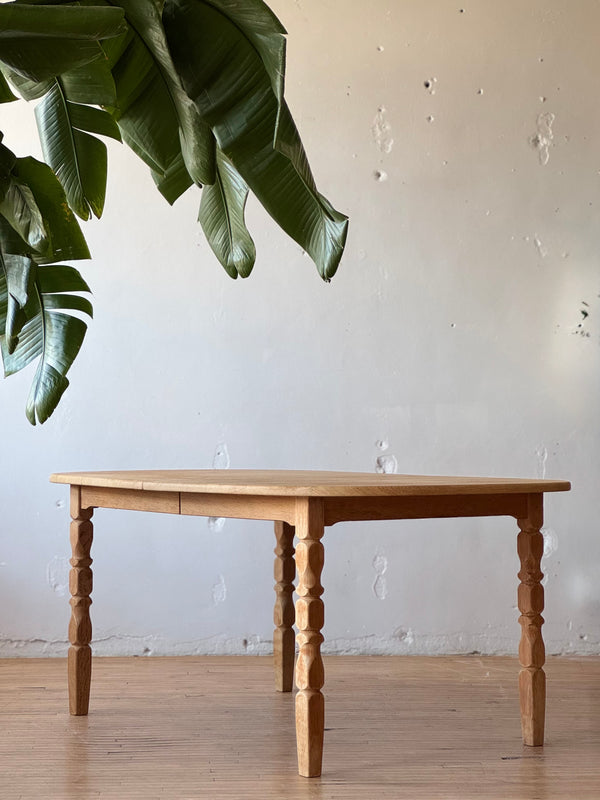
x: 238, y: 506
x: 129, y: 499
x: 348, y: 509
x: 283, y: 508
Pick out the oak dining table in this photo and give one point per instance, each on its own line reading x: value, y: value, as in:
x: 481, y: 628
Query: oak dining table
x: 302, y: 504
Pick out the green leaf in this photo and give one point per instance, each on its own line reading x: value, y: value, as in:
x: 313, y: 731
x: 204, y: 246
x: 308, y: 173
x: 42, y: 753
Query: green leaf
x: 41, y: 41
x: 144, y: 111
x: 222, y: 219
x: 60, y: 278
x: 93, y: 120
x: 78, y: 159
x: 174, y: 182
x: 6, y: 96
x: 90, y: 83
x: 223, y: 73
x: 195, y: 139
x: 20, y: 209
x: 266, y: 34
x: 157, y: 119
x: 49, y: 334
x: 20, y: 274
x: 27, y: 88
x: 64, y: 234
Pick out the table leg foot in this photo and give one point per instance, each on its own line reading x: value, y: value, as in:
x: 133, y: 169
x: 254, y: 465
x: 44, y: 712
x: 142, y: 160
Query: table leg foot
x: 310, y: 676
x: 532, y: 680
x: 80, y: 626
x: 310, y: 725
x: 284, y: 649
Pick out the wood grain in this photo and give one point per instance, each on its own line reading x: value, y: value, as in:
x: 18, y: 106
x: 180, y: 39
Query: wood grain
x: 300, y: 483
x: 532, y: 680
x: 284, y: 616
x: 80, y: 626
x: 190, y: 728
x: 130, y: 499
x: 348, y: 509
x: 238, y: 506
x: 310, y: 617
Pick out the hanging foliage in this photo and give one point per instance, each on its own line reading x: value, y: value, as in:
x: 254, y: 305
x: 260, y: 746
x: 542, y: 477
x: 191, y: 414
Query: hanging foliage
x: 195, y: 89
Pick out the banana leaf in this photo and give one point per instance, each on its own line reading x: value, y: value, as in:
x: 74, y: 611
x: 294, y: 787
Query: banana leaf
x: 6, y: 96
x: 42, y: 41
x: 50, y: 333
x: 20, y: 209
x: 79, y: 160
x: 222, y: 218
x: 195, y: 139
x: 19, y: 273
x: 224, y: 74
x: 65, y: 240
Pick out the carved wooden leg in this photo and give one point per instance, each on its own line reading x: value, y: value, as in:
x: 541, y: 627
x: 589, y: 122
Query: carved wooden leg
x: 80, y: 626
x: 532, y: 680
x: 284, y: 649
x: 310, y: 703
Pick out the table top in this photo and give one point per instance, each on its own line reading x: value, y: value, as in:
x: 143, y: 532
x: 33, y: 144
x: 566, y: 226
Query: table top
x: 305, y: 483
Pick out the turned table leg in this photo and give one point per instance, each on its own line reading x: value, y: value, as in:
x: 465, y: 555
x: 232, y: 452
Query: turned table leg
x: 310, y: 703
x: 532, y: 680
x: 284, y: 571
x: 80, y: 626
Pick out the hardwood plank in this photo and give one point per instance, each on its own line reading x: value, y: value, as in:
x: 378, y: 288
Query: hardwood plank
x: 407, y: 728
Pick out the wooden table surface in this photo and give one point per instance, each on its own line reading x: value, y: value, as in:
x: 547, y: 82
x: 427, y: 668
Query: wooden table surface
x: 305, y: 483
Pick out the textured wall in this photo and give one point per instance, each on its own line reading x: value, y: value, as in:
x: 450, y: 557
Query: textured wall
x: 459, y: 336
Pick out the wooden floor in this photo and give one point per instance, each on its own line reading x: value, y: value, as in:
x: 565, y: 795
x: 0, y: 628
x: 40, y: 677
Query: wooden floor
x: 183, y: 728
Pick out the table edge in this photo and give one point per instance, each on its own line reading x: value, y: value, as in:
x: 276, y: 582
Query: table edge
x: 506, y: 486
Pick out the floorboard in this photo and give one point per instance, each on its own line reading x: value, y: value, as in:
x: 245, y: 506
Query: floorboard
x: 211, y: 727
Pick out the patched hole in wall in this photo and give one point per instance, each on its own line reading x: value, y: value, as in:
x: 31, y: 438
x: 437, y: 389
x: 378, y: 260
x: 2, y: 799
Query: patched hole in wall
x: 429, y: 84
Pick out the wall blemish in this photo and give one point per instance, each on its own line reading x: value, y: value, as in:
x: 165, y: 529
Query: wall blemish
x: 57, y: 575
x: 382, y: 131
x: 543, y: 137
x: 580, y: 329
x: 404, y: 635
x: 550, y: 542
x: 541, y: 455
x: 386, y: 463
x: 215, y: 524
x: 429, y: 84
x: 219, y: 591
x: 221, y: 460
x: 540, y: 247
x: 380, y: 565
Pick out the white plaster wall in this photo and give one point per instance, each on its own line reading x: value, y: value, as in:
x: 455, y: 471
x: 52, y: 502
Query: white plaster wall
x: 453, y: 335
